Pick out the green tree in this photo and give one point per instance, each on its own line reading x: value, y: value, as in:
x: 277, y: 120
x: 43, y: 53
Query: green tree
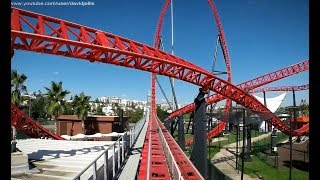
x: 162, y: 114
x: 68, y: 108
x: 81, y: 107
x: 37, y: 108
x: 55, y: 95
x: 17, y: 87
x: 99, y: 110
x: 135, y: 115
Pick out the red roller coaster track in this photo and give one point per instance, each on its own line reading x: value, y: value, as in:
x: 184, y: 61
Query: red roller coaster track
x: 188, y: 171
x: 153, y: 162
x: 221, y: 37
x: 59, y: 37
x: 281, y: 88
x: 249, y: 85
x: 185, y: 166
x: 224, y: 47
x: 29, y: 127
x: 39, y: 33
x: 225, y: 55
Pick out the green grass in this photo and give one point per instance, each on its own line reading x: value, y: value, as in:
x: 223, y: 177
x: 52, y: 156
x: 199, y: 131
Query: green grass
x: 188, y: 136
x: 21, y: 136
x: 265, y: 143
x: 231, y: 138
x: 214, y: 147
x: 45, y: 122
x: 270, y: 173
x: 257, y: 165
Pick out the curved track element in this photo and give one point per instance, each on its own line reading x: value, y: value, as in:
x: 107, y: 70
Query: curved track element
x: 222, y: 42
x: 225, y: 55
x: 281, y: 88
x: 73, y: 40
x: 251, y: 84
x: 186, y: 168
x: 28, y: 126
x: 248, y: 85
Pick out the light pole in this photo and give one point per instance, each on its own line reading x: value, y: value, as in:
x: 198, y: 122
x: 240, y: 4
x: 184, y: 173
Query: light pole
x: 237, y: 142
x: 265, y: 104
x: 243, y: 139
x: 290, y: 139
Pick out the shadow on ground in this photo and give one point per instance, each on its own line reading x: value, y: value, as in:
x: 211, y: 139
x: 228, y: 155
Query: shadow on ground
x: 304, y: 166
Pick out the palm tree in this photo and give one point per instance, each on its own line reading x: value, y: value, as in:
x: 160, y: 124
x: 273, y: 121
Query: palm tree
x: 55, y: 99
x: 81, y: 107
x: 17, y: 87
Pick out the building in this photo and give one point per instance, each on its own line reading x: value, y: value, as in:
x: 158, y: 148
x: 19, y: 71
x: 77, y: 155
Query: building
x: 107, y: 110
x: 71, y: 125
x: 103, y: 99
x: 115, y: 100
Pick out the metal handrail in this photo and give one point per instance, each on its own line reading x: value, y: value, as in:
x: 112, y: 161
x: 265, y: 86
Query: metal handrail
x: 133, y: 134
x: 169, y: 156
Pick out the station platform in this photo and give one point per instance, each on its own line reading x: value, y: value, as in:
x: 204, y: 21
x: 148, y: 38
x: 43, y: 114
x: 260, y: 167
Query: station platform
x: 58, y: 159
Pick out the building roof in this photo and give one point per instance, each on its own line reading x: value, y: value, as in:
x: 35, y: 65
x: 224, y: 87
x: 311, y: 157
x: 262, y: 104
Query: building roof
x: 65, y: 159
x: 94, y: 117
x: 272, y: 103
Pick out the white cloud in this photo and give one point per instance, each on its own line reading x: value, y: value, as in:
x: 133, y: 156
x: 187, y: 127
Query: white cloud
x: 56, y: 73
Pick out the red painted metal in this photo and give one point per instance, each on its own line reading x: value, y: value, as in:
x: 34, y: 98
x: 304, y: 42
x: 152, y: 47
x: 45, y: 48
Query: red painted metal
x: 153, y: 163
x: 222, y: 39
x: 222, y: 42
x: 281, y: 88
x: 26, y: 125
x: 226, y: 56
x: 144, y: 165
x: 72, y: 40
x: 188, y: 171
x: 249, y: 85
x: 185, y: 166
x: 220, y: 29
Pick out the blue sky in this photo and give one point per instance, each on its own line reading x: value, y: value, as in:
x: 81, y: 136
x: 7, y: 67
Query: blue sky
x: 262, y: 36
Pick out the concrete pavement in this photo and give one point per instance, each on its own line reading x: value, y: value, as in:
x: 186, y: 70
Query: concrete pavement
x: 225, y: 160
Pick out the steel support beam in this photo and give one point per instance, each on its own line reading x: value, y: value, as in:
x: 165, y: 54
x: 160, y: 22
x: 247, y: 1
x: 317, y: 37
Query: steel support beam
x: 190, y: 120
x: 181, y: 139
x: 27, y: 33
x: 265, y: 104
x: 199, y: 151
x: 294, y: 109
x: 248, y: 158
x: 172, y: 128
x: 167, y: 123
x: 243, y: 141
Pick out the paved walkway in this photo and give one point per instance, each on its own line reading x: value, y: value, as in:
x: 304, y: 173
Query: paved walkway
x: 130, y: 168
x: 225, y: 160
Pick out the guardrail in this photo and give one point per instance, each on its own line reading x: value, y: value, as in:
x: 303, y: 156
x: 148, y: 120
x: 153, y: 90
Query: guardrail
x: 123, y: 146
x: 173, y: 166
